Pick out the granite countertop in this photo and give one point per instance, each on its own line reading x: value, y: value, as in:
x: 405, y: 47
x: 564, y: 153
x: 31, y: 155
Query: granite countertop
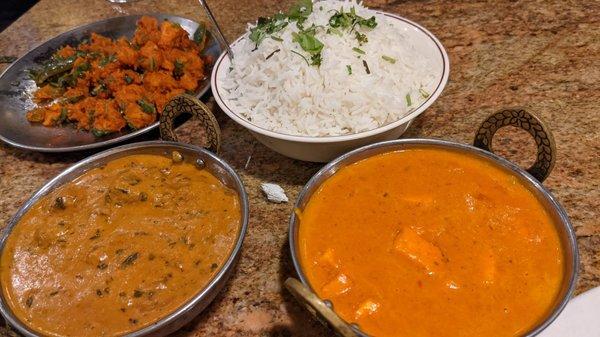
x: 542, y: 55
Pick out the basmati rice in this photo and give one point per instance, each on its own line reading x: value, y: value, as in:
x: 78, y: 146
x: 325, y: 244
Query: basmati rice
x: 281, y: 92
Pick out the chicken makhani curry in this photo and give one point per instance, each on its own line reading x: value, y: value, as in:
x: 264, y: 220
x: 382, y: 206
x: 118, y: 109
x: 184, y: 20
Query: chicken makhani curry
x: 119, y: 247
x: 431, y: 242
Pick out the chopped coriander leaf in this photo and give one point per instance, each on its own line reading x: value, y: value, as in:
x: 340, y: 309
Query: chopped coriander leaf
x: 100, y: 88
x: 146, y: 106
x: 308, y: 42
x: 408, y: 100
x: 100, y: 133
x: 358, y: 50
x: 200, y: 34
x: 366, y: 67
x: 107, y: 59
x: 273, y: 53
x: 370, y: 22
x: 302, y: 56
x: 340, y: 20
x: 361, y: 38
x: 316, y: 59
x: 389, y: 59
x: 276, y: 38
x: 178, y: 70
x: 129, y: 260
x: 349, y: 69
x: 335, y: 31
x: 29, y: 301
x: 63, y: 114
x: 265, y: 27
x: 301, y: 10
x: 349, y: 19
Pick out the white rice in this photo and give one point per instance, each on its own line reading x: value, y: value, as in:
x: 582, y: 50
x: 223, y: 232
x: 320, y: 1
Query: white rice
x: 284, y: 94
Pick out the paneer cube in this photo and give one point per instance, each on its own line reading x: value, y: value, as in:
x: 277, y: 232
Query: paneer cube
x: 328, y: 259
x: 410, y: 244
x: 367, y: 307
x: 340, y: 285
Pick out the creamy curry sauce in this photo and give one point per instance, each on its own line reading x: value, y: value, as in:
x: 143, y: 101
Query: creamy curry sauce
x: 429, y: 242
x: 119, y: 247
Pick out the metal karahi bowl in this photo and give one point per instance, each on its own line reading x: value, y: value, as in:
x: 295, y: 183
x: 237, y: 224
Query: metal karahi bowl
x: 191, y: 154
x: 325, y: 309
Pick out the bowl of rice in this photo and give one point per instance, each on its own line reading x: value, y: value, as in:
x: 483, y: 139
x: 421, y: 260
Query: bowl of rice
x: 329, y: 76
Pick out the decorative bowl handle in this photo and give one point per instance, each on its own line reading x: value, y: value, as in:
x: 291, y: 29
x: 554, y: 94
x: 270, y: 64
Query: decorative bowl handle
x: 186, y: 104
x: 546, y: 148
x: 318, y: 308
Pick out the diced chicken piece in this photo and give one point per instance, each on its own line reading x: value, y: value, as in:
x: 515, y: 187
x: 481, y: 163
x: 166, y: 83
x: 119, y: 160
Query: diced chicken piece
x: 100, y: 44
x: 107, y: 117
x: 75, y: 94
x: 82, y: 112
x: 412, y: 245
x: 135, y: 117
x: 188, y: 82
x: 46, y: 93
x: 367, y: 307
x: 66, y: 51
x: 172, y: 34
x: 48, y: 116
x: 161, y: 99
x: 125, y: 53
x: 130, y: 93
x: 36, y: 115
x: 151, y: 55
x: 340, y: 285
x: 147, y: 30
x: 159, y: 80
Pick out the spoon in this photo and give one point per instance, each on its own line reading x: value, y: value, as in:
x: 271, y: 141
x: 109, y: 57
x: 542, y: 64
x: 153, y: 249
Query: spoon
x: 220, y: 35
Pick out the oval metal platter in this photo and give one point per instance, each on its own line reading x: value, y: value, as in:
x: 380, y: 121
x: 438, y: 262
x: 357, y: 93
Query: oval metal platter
x: 16, y: 89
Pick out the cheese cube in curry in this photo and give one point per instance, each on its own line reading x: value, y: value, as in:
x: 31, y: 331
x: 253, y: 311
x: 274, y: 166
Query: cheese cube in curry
x: 410, y: 244
x: 341, y: 284
x: 329, y: 259
x: 367, y: 307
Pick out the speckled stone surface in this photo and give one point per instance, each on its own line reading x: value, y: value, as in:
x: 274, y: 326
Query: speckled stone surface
x: 544, y: 55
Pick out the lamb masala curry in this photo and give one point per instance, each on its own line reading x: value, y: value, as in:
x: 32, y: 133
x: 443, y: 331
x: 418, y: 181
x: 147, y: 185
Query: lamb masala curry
x: 118, y: 248
x: 431, y: 242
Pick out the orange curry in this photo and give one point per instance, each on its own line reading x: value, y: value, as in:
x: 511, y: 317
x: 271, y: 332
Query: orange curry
x: 119, y: 247
x: 431, y: 242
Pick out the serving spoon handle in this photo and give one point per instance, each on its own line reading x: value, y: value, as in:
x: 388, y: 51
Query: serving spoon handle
x: 220, y: 36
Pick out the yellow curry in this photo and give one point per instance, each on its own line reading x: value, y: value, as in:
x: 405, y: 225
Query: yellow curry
x: 119, y: 247
x: 431, y: 242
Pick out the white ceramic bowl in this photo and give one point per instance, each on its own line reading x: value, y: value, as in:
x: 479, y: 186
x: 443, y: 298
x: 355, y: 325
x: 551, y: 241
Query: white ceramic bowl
x: 324, y: 149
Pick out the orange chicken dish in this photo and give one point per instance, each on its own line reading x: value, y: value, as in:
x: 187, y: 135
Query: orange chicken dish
x: 105, y: 86
x: 430, y: 242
